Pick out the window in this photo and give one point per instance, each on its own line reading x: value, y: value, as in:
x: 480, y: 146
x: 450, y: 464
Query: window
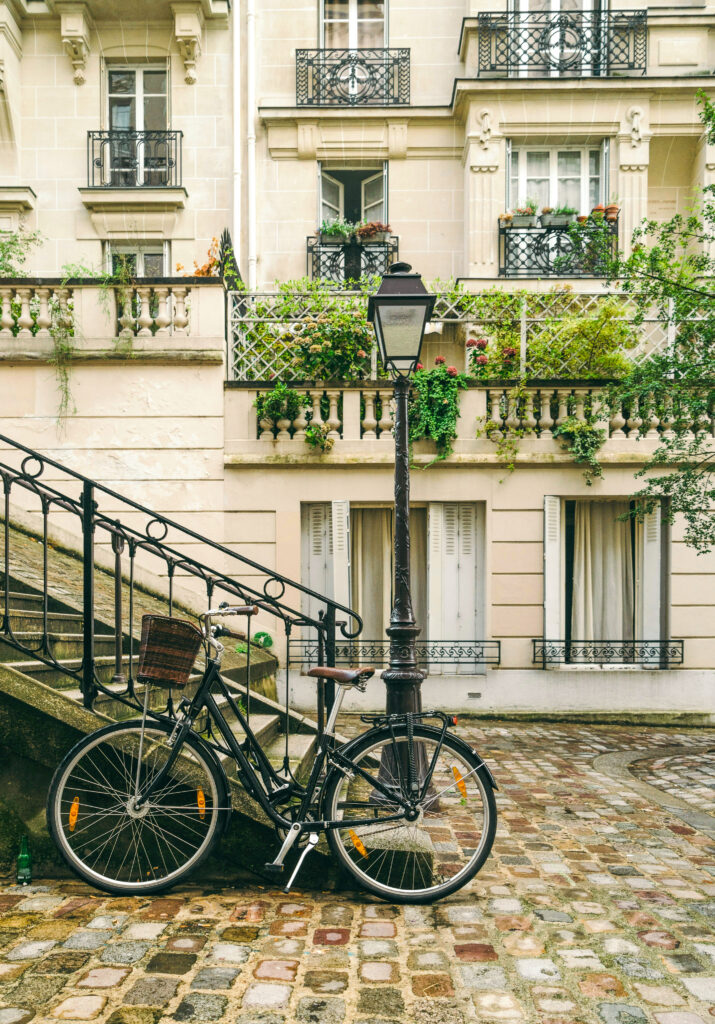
x: 556, y: 177
x: 354, y: 195
x: 353, y: 24
x: 603, y: 578
x: 138, y: 104
x: 139, y: 260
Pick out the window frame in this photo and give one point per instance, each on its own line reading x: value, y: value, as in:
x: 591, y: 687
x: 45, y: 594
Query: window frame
x: 139, y: 250
x: 160, y: 65
x: 382, y: 168
x: 353, y: 22
x: 521, y: 151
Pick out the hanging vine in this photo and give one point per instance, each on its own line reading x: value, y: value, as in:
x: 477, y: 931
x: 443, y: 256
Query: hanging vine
x: 434, y: 406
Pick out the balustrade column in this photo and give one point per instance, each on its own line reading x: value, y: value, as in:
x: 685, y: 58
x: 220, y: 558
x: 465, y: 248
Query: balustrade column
x: 495, y: 415
x: 652, y: 419
x: 181, y: 317
x: 563, y: 400
x: 145, y: 319
x: 316, y: 415
x: 24, y: 320
x: 6, y: 320
x: 333, y: 420
x: 300, y: 423
x: 162, y: 318
x: 635, y: 421
x: 546, y: 421
x: 386, y: 420
x: 369, y: 422
x: 528, y: 420
x: 44, y: 320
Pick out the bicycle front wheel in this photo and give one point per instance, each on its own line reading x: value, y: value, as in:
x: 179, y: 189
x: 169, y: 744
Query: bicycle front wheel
x: 116, y: 846
x: 445, y: 845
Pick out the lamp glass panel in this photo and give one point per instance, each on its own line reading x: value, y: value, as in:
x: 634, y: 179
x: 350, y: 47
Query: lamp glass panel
x: 402, y: 326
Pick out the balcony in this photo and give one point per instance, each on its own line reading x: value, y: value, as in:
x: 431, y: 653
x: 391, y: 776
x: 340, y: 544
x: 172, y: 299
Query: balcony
x: 552, y: 251
x: 352, y: 78
x: 125, y: 159
x: 343, y: 262
x: 578, y: 44
x: 642, y: 653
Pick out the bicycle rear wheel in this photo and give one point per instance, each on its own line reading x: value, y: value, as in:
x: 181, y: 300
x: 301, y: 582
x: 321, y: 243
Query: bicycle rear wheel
x: 443, y: 848
x: 122, y: 849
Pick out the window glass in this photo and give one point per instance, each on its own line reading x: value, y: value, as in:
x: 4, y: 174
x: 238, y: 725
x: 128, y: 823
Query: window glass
x: 537, y: 179
x: 373, y: 203
x: 568, y: 185
x: 336, y: 28
x: 594, y: 177
x: 122, y: 82
x: 154, y: 113
x: 153, y: 264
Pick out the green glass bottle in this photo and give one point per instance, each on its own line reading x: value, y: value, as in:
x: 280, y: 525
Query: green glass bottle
x: 24, y: 863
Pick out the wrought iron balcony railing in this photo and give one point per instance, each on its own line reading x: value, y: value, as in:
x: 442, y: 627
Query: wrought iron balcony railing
x: 459, y: 653
x: 553, y: 251
x: 646, y: 653
x: 351, y: 78
x: 348, y: 261
x: 573, y: 43
x: 122, y: 158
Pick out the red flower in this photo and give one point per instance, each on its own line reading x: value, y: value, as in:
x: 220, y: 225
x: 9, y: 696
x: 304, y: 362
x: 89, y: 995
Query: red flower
x: 482, y: 360
x: 440, y: 361
x: 472, y: 342
x: 452, y: 371
x: 509, y: 353
x: 420, y: 366
x: 482, y: 343
x: 361, y: 354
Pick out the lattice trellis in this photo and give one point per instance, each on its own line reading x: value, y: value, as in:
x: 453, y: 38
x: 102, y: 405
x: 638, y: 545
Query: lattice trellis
x: 263, y: 327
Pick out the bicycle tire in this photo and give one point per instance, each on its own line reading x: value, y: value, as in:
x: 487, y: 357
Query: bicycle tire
x: 412, y: 842
x: 74, y: 775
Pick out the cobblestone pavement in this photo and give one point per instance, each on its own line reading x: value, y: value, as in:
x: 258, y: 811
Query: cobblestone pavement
x: 690, y: 777
x: 597, y: 907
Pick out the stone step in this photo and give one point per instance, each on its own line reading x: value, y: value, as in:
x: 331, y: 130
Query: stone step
x: 301, y: 752
x: 28, y: 621
x: 20, y: 601
x: 62, y: 645
x: 59, y: 680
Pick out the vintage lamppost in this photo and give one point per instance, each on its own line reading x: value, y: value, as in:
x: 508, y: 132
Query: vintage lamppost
x: 399, y: 312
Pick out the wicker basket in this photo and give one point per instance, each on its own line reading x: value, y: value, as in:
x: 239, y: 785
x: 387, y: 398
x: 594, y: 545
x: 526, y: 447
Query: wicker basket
x: 168, y: 650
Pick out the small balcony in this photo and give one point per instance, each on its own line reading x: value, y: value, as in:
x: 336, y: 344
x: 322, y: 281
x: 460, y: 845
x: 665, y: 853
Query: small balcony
x: 343, y: 262
x: 577, y: 44
x: 353, y: 78
x: 127, y: 159
x: 552, y: 251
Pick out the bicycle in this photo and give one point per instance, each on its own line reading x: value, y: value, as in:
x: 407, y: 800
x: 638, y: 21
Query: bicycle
x: 407, y: 807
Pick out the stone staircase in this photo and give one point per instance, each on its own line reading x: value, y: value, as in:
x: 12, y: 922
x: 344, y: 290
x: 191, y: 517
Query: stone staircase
x: 41, y: 711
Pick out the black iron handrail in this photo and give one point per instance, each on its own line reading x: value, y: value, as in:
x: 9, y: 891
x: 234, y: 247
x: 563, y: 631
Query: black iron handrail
x: 376, y: 77
x: 347, y: 261
x: 377, y: 652
x: 575, y: 43
x: 123, y: 158
x: 149, y: 538
x: 555, y: 251
x: 649, y: 653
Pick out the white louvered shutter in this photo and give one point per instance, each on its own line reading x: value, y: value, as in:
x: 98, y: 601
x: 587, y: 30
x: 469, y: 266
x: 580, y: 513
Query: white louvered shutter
x: 341, y: 552
x: 452, y: 575
x: 650, y: 588
x: 553, y: 618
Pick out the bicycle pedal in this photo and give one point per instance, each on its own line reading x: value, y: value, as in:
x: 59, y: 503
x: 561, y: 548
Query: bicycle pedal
x: 274, y: 869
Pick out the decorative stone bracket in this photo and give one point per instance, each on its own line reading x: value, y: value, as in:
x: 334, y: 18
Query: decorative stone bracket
x: 188, y: 30
x: 75, y: 28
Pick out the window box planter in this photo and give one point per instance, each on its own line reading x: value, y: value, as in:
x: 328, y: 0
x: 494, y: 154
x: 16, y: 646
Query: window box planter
x: 521, y: 220
x: 332, y: 239
x: 557, y: 220
x: 379, y: 236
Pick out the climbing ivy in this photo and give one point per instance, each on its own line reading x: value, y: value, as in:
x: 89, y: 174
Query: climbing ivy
x: 583, y: 440
x: 434, y: 406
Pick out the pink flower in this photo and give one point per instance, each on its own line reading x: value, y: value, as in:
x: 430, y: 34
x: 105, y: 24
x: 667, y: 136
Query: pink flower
x: 361, y: 354
x: 420, y: 366
x: 482, y: 360
x: 452, y: 371
x: 472, y: 343
x: 440, y: 361
x: 482, y: 343
x: 509, y: 353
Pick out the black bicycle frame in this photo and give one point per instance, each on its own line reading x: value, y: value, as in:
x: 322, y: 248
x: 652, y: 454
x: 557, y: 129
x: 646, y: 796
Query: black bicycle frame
x: 258, y: 785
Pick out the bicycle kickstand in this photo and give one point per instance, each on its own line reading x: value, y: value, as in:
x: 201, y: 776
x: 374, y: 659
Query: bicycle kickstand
x: 311, y: 844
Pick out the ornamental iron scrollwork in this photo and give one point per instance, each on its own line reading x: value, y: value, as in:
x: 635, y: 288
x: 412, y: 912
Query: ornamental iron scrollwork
x: 647, y: 653
x: 123, y: 158
x: 460, y: 653
x: 347, y: 262
x: 551, y: 252
x: 572, y: 43
x: 347, y: 78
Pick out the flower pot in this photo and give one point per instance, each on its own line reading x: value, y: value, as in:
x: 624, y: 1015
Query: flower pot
x: 556, y: 220
x: 523, y: 220
x: 331, y: 239
x: 581, y: 219
x: 379, y: 236
x: 505, y: 222
x: 612, y: 212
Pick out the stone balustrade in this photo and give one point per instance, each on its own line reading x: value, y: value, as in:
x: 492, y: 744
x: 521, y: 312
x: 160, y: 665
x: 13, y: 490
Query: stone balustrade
x: 33, y: 312
x: 351, y: 414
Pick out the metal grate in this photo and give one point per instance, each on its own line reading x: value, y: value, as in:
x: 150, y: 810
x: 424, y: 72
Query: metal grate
x: 572, y: 43
x: 549, y: 252
x: 351, y: 260
x: 648, y: 653
x: 122, y: 158
x: 340, y: 78
x: 377, y: 652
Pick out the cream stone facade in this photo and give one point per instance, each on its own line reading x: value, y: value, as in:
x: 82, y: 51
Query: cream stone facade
x: 169, y: 417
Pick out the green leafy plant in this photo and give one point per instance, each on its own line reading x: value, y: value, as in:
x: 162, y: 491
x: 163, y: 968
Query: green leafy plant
x: 583, y: 344
x: 583, y: 440
x: 333, y: 346
x: 434, y: 406
x: 316, y: 436
x: 372, y: 228
x: 338, y: 228
x: 564, y: 211
x: 15, y: 250
x: 281, y: 403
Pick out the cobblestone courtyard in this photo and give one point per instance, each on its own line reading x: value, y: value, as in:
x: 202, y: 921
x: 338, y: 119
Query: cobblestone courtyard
x: 597, y: 906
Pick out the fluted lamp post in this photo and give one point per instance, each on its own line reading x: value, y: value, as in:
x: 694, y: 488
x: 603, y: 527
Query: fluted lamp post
x: 399, y: 312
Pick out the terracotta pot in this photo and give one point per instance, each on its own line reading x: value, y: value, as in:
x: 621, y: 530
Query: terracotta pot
x: 582, y: 219
x: 612, y: 211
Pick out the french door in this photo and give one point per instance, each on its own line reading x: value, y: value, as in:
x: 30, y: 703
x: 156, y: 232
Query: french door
x: 354, y: 24
x: 555, y: 38
x: 139, y: 149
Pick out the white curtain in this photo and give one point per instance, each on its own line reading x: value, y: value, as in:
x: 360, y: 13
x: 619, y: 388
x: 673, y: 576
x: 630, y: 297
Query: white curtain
x: 372, y: 545
x: 602, y: 606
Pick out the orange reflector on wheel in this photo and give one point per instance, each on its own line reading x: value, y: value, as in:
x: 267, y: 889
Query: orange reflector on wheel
x: 201, y: 802
x: 460, y: 782
x: 74, y: 811
x: 357, y: 843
